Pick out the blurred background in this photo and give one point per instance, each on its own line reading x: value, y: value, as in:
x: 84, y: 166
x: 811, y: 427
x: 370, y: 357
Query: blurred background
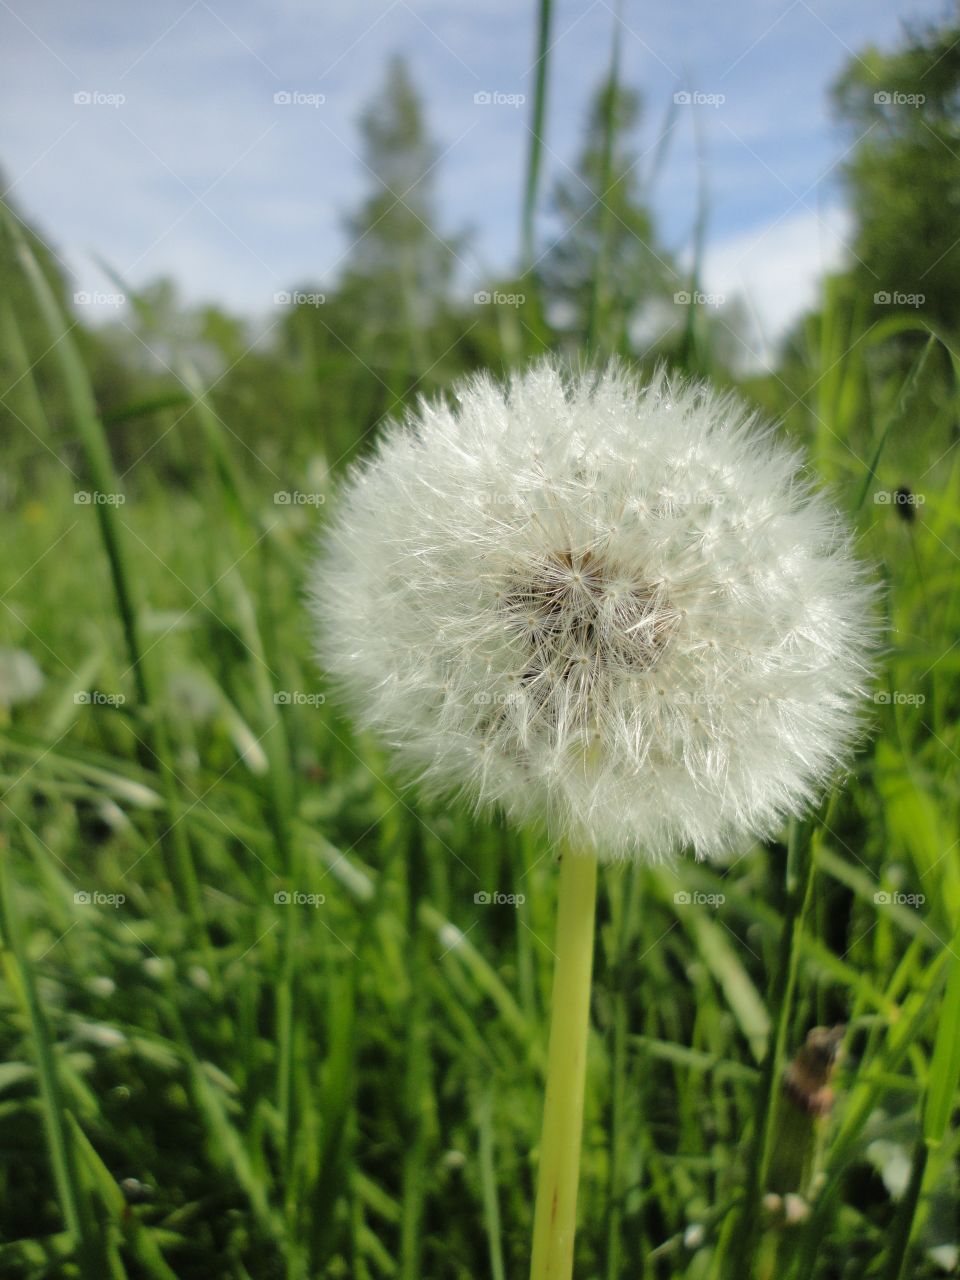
x: 265, y: 1014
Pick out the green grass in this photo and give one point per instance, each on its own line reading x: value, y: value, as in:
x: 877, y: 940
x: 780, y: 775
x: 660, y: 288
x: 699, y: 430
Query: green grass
x: 354, y: 1088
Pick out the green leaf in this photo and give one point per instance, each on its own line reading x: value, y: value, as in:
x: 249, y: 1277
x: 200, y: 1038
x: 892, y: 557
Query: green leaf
x: 945, y: 1063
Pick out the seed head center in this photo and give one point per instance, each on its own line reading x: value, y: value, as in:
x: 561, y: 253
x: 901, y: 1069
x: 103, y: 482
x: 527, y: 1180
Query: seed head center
x: 579, y: 618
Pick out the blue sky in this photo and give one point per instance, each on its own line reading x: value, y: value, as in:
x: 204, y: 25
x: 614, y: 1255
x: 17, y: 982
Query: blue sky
x: 183, y: 164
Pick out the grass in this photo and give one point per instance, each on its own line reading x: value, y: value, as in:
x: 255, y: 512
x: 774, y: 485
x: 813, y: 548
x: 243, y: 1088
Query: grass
x: 257, y: 1018
x: 354, y: 1087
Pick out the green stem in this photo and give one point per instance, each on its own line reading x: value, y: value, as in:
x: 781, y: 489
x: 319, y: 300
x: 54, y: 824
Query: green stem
x: 799, y: 889
x: 555, y: 1216
x: 54, y: 1109
x: 417, y: 1079
x: 742, y: 1227
x: 599, y: 293
x: 618, y: 1088
x: 488, y: 1187
x: 535, y: 152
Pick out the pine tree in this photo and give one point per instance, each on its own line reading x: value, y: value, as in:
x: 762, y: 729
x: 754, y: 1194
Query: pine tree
x: 607, y: 255
x: 399, y: 268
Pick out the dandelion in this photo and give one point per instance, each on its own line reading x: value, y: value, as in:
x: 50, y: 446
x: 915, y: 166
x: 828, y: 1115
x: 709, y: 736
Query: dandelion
x: 619, y: 611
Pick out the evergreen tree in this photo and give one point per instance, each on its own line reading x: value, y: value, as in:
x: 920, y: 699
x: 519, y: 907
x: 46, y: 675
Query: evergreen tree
x: 399, y: 268
x: 607, y: 255
x: 903, y: 175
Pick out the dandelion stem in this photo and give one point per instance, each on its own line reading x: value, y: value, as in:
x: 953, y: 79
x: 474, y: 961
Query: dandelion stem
x: 555, y: 1216
x: 622, y: 909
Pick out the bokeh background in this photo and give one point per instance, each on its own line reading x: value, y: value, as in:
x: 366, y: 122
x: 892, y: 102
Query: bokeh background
x: 264, y: 1013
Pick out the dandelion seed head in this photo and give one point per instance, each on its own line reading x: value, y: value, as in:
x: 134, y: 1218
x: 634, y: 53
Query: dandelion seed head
x: 616, y: 609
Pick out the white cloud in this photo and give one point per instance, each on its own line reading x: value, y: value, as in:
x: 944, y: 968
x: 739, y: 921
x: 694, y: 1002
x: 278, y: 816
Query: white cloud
x: 776, y: 269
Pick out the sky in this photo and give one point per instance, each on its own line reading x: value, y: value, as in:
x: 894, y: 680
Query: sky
x: 218, y: 144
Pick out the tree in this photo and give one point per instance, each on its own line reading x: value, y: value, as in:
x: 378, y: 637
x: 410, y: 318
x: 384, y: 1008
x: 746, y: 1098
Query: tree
x: 904, y: 172
x: 607, y: 256
x: 387, y: 328
x: 399, y: 267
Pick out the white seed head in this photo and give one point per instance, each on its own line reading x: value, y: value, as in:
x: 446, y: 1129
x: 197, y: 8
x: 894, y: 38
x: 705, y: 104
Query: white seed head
x: 614, y: 609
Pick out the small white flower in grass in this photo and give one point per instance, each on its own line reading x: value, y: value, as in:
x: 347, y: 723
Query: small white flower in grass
x: 20, y: 677
x: 617, y: 609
